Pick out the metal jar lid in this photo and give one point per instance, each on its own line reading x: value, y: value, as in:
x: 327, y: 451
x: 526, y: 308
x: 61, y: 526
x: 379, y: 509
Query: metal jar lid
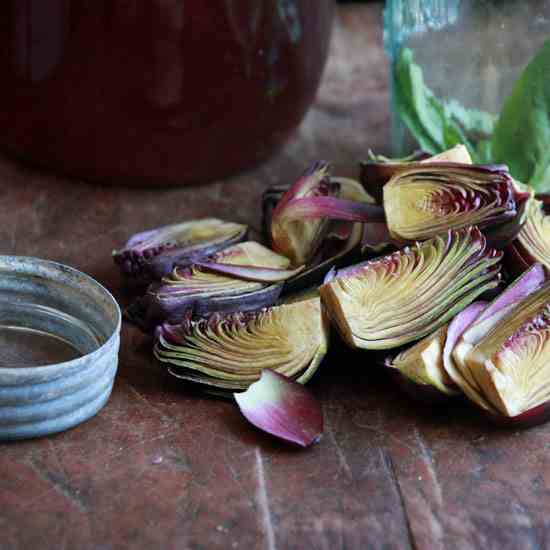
x: 59, y: 342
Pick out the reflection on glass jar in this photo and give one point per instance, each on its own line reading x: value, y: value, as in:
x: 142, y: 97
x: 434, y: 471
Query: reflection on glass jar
x: 454, y: 64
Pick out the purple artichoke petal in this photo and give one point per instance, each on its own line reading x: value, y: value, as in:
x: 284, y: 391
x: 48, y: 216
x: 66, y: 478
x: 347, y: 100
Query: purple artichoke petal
x: 283, y: 408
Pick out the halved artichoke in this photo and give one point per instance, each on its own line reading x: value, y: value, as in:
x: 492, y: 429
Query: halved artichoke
x: 378, y: 170
x: 298, y: 238
x: 426, y: 200
x: 229, y: 352
x: 242, y: 277
x: 511, y: 363
x: 151, y: 255
x: 337, y: 243
x: 301, y: 220
x: 533, y: 241
x: 422, y: 363
x: 404, y: 296
x: 467, y: 333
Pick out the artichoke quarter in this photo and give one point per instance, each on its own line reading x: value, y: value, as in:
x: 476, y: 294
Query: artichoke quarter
x: 242, y: 277
x: 431, y: 198
x: 229, y: 352
x: 404, y: 296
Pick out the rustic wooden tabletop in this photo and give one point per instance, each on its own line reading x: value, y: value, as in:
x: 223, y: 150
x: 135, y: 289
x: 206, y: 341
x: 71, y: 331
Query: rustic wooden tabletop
x: 162, y: 468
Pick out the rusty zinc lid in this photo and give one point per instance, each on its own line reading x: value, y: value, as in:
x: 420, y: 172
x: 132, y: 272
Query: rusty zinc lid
x: 59, y: 341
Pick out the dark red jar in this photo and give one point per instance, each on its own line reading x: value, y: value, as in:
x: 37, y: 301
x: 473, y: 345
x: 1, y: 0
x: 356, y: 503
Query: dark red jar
x: 148, y: 91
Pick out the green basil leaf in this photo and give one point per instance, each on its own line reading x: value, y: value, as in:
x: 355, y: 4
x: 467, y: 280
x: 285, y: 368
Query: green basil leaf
x: 416, y: 105
x: 435, y: 124
x: 522, y: 134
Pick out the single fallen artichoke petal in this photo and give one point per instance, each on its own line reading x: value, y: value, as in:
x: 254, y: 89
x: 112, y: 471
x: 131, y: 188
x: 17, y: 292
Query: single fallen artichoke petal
x: 404, y: 296
x: 150, y: 255
x: 283, y: 408
x: 429, y: 199
x: 469, y: 328
x: 511, y: 362
x: 202, y: 291
x: 376, y: 172
x: 422, y: 364
x: 229, y: 352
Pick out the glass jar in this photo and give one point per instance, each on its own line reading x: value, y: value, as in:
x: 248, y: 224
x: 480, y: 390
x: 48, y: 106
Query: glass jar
x: 166, y: 91
x: 462, y: 57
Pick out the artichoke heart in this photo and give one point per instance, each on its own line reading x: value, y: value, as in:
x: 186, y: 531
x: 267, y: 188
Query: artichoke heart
x: 511, y: 363
x: 229, y: 352
x: 152, y: 254
x: 432, y: 198
x: 404, y: 296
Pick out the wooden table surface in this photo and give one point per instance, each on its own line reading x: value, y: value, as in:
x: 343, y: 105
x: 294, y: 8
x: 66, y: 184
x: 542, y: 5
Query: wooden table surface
x: 162, y: 468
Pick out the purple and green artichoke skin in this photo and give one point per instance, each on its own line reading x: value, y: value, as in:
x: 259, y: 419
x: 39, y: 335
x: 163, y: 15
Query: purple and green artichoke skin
x: 461, y: 194
x: 150, y: 255
x: 243, y: 277
x: 163, y: 304
x: 229, y: 352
